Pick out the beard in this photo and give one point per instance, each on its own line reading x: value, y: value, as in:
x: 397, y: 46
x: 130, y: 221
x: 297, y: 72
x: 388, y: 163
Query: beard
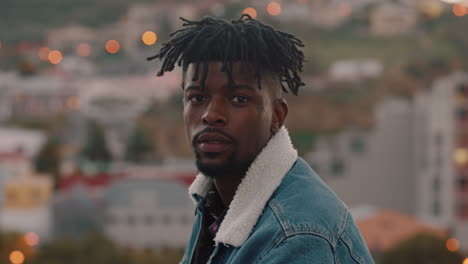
x: 230, y: 167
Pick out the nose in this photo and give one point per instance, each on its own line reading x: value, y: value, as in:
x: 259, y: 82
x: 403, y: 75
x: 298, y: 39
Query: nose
x: 215, y: 113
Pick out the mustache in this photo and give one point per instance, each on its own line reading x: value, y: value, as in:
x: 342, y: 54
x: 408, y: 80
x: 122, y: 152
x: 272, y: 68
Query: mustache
x: 214, y: 131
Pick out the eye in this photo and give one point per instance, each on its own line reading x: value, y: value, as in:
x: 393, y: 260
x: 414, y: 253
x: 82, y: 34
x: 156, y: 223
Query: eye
x: 240, y: 99
x: 196, y: 98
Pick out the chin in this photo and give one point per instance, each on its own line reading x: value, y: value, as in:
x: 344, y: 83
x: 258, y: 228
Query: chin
x: 221, y: 169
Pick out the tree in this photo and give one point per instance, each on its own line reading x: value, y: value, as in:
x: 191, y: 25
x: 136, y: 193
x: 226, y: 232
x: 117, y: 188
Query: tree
x: 48, y: 159
x: 95, y: 149
x: 421, y: 249
x: 139, y: 148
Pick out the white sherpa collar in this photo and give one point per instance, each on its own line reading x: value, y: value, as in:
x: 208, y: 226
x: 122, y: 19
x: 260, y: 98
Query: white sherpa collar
x: 261, y: 180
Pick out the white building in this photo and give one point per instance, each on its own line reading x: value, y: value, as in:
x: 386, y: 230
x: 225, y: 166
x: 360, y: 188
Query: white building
x: 378, y: 163
x: 352, y: 70
x: 26, y: 141
x: 148, y: 213
x: 390, y: 19
x: 444, y: 167
x: 414, y: 160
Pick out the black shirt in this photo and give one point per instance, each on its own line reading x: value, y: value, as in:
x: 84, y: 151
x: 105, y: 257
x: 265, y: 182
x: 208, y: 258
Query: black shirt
x: 213, y: 215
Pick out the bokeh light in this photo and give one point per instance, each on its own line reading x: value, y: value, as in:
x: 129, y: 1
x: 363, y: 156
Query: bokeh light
x: 465, y: 261
x: 452, y: 244
x: 274, y: 8
x: 250, y: 11
x: 459, y: 9
x: 16, y: 257
x: 149, y: 38
x: 83, y: 50
x: 461, y: 156
x: 44, y: 53
x: 112, y: 46
x: 55, y: 57
x: 31, y: 239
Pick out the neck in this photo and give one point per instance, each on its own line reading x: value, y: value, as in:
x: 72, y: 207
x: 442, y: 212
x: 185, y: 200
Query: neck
x: 226, y: 187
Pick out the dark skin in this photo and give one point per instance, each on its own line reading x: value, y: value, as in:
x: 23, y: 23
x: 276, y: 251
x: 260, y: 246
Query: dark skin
x: 229, y: 125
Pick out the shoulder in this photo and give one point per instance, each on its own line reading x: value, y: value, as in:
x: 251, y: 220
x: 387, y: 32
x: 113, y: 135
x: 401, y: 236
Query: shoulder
x: 303, y: 203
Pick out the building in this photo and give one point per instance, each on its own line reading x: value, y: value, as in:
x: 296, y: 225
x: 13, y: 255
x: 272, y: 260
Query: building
x: 148, y: 213
x: 377, y: 162
x: 443, y: 169
x: 26, y: 205
x: 18, y: 140
x: 352, y: 70
x: 41, y: 97
x: 391, y: 19
x: 414, y: 160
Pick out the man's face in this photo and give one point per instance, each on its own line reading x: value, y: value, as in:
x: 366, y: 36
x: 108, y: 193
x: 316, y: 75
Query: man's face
x: 227, y: 125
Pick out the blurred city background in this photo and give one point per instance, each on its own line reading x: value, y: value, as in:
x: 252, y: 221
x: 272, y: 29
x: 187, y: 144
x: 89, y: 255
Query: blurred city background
x: 94, y: 161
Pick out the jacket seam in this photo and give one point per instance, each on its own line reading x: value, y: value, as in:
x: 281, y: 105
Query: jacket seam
x: 278, y: 211
x: 357, y: 258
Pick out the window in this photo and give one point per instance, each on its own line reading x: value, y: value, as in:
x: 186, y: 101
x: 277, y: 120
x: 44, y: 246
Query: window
x: 436, y: 184
x: 357, y: 145
x: 337, y: 167
x: 462, y: 209
x: 149, y: 220
x: 436, y: 208
x: 166, y: 220
x: 461, y: 114
x: 462, y: 183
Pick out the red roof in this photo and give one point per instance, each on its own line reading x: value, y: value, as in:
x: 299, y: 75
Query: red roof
x: 96, y: 180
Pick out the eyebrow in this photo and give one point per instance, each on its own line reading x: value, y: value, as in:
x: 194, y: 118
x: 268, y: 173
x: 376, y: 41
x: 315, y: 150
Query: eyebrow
x: 234, y: 87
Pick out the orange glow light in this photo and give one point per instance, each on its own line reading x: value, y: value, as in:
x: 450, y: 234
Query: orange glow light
x: 17, y: 257
x: 31, y: 238
x: 465, y: 261
x: 112, y: 46
x: 452, y: 244
x: 55, y: 57
x: 250, y: 11
x: 83, y: 50
x: 274, y: 8
x: 461, y: 156
x: 149, y: 38
x: 44, y: 53
x: 459, y: 9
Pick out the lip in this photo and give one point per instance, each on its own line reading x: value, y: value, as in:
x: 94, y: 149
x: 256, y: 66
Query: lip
x: 213, y: 142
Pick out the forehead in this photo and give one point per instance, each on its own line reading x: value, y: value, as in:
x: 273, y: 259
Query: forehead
x: 240, y: 72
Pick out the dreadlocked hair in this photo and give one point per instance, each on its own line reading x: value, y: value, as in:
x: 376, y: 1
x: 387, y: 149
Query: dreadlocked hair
x: 244, y: 40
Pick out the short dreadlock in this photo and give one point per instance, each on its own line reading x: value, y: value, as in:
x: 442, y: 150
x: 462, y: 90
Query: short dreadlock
x: 245, y: 40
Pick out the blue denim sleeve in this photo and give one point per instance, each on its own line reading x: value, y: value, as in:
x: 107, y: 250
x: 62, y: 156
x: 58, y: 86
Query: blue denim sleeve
x: 301, y: 248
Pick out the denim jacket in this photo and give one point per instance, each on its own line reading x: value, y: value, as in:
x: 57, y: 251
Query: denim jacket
x: 282, y: 212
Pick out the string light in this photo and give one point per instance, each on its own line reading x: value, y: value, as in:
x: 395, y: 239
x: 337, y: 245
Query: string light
x: 250, y: 11
x: 274, y: 8
x: 149, y: 38
x: 112, y: 46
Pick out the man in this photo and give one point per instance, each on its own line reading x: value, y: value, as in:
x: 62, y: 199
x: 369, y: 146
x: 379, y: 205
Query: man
x: 257, y: 201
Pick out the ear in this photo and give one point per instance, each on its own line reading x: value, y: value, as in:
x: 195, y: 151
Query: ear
x: 280, y: 111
